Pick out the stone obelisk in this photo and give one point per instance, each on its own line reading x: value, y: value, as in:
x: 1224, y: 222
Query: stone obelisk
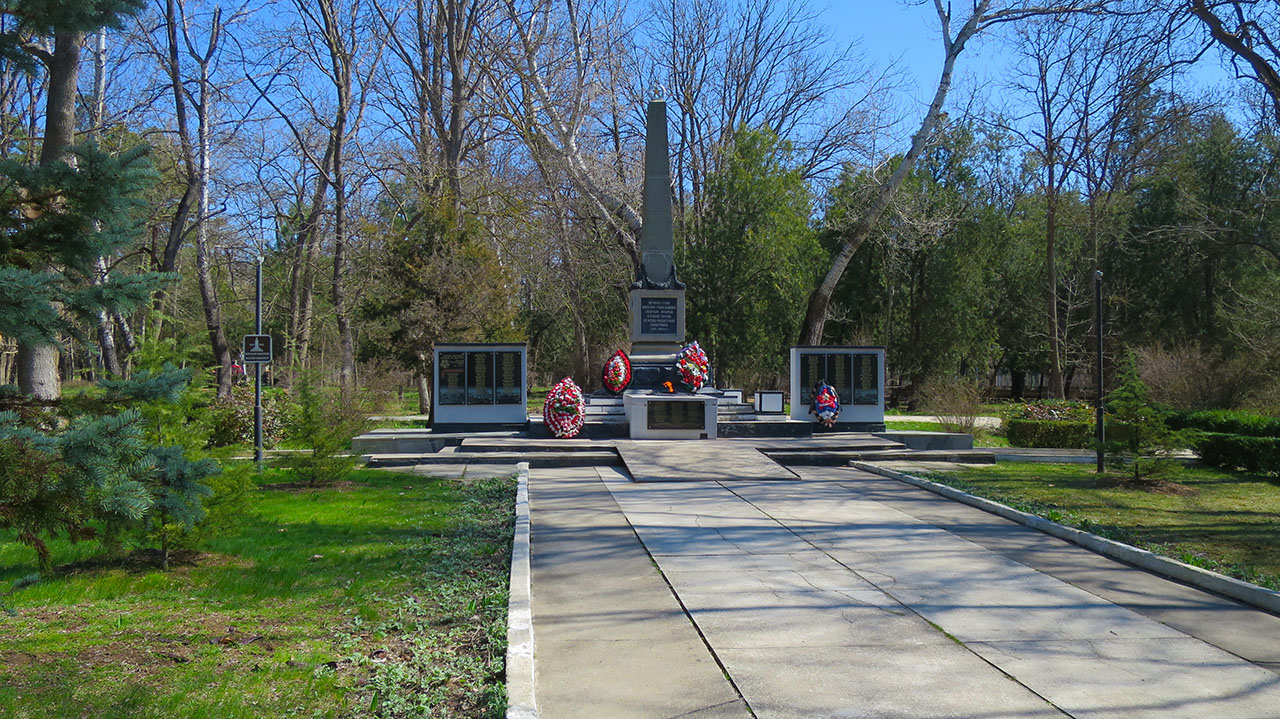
x: 657, y: 297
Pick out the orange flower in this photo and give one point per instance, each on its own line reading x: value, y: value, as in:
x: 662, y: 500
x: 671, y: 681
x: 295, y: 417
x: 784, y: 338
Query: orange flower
x: 669, y: 387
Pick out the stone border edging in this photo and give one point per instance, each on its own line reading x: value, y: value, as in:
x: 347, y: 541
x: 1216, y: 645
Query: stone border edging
x: 1236, y: 589
x: 521, y: 703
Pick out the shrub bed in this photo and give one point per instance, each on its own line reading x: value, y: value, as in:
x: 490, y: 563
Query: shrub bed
x: 1224, y: 421
x: 1062, y: 434
x: 1260, y: 455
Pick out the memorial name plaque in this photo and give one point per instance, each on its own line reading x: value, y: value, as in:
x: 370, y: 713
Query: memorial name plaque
x: 658, y: 316
x: 813, y: 368
x: 479, y: 378
x: 452, y: 368
x: 478, y: 384
x: 866, y: 380
x: 510, y: 377
x: 855, y: 373
x: 676, y: 414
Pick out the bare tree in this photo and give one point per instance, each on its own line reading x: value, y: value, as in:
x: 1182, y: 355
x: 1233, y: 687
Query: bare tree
x: 196, y: 93
x: 984, y: 15
x: 436, y: 82
x: 1244, y: 30
x: 335, y: 31
x: 759, y: 63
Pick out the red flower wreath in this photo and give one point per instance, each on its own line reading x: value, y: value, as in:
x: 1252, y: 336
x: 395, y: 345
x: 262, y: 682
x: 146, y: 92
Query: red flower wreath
x: 564, y: 411
x: 693, y: 367
x: 617, y: 372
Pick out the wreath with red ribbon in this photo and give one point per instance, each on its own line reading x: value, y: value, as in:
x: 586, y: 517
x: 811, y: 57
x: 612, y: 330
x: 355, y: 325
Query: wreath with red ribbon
x: 564, y: 411
x: 617, y: 372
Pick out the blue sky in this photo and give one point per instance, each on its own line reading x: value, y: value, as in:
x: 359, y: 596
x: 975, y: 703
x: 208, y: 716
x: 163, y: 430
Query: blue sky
x: 891, y: 30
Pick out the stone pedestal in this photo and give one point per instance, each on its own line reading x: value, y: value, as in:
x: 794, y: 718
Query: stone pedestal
x: 653, y: 415
x: 657, y: 333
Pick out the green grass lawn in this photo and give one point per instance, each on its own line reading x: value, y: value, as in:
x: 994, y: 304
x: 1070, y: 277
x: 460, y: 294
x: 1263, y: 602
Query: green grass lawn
x: 1225, y: 521
x: 384, y: 596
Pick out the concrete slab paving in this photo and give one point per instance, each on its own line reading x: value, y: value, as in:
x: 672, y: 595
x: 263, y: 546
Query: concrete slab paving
x: 1167, y: 678
x: 683, y: 461
x: 850, y: 595
x: 610, y: 638
x: 1235, y: 627
x: 933, y: 681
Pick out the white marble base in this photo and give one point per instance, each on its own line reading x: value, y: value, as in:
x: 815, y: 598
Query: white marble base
x: 636, y: 407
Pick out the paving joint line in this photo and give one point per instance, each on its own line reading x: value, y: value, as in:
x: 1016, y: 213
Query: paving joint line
x: 688, y: 615
x: 1244, y: 592
x: 900, y: 603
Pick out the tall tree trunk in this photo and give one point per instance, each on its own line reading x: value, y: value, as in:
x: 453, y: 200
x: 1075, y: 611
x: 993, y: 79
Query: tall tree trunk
x: 37, y: 365
x: 204, y: 269
x: 347, y: 371
x: 302, y: 274
x: 815, y: 318
x: 1051, y: 281
x: 106, y: 333
x: 420, y: 379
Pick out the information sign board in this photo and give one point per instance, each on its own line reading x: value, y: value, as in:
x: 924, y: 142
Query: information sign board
x: 257, y: 349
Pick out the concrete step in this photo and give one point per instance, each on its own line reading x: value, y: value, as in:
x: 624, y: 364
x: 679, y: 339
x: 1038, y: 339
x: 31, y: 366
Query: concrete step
x: 972, y: 456
x: 480, y: 446
x: 596, y: 458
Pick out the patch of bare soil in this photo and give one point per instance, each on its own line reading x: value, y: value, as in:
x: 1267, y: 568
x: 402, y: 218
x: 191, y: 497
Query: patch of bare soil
x: 1146, y: 484
x: 139, y: 560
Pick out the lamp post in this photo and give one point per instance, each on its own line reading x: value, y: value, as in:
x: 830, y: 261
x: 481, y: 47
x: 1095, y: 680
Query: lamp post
x: 257, y: 371
x: 1097, y: 326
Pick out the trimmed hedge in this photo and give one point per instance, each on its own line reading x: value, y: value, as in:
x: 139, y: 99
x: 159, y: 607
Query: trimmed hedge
x: 1049, y: 433
x: 1260, y: 455
x: 1223, y: 421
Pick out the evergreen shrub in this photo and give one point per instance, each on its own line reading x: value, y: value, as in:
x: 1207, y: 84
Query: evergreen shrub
x: 1059, y: 434
x: 1260, y: 455
x: 1224, y: 421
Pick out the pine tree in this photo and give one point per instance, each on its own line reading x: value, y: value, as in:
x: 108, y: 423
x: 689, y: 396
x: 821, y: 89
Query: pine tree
x: 80, y: 467
x: 1140, y: 435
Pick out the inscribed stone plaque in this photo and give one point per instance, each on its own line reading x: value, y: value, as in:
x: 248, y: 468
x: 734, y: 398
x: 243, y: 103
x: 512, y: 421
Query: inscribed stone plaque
x: 658, y: 316
x: 480, y: 378
x: 866, y: 380
x: 510, y: 378
x: 840, y: 376
x: 452, y: 389
x: 676, y: 414
x: 813, y: 367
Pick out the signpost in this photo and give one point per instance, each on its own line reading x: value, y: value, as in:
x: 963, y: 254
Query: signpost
x: 257, y: 352
x: 257, y: 349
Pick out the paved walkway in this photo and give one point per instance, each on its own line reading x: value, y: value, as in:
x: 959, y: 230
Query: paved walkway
x: 650, y: 460
x: 850, y: 595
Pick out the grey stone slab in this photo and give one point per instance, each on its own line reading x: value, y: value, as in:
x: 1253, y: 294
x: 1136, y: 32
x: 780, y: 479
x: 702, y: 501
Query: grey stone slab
x: 655, y: 680
x: 685, y: 460
x: 742, y: 562
x: 1239, y: 629
x: 465, y: 470
x: 806, y: 619
x: 610, y: 638
x: 935, y: 681
x: 1138, y: 678
x: 1026, y: 608
x: 806, y: 579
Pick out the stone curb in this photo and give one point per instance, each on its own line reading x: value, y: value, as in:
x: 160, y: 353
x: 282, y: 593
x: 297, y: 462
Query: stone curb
x: 1245, y: 592
x: 521, y: 702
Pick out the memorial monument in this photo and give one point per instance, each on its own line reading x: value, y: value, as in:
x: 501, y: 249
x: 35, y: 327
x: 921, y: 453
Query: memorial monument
x: 657, y: 303
x: 657, y: 311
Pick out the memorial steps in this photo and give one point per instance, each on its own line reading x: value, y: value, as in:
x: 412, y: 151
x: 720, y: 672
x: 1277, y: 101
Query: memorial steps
x: 510, y: 448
